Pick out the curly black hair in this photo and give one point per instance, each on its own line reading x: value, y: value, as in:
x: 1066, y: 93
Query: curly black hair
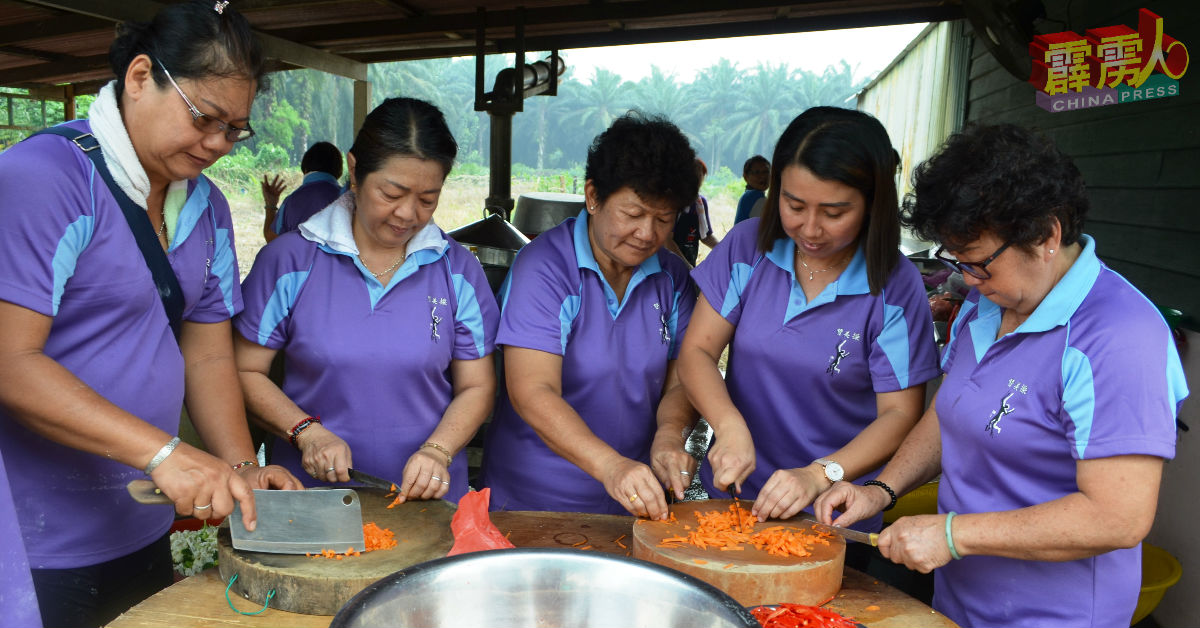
x: 1003, y: 179
x: 647, y: 154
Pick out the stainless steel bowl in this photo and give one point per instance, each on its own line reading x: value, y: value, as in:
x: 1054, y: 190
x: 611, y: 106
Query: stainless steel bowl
x: 535, y: 587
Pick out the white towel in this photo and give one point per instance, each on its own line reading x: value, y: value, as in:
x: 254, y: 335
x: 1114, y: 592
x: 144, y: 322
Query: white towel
x: 122, y: 160
x: 332, y: 227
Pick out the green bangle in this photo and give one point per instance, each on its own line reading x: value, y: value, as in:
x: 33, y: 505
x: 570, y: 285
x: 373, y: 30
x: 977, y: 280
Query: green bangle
x: 950, y: 537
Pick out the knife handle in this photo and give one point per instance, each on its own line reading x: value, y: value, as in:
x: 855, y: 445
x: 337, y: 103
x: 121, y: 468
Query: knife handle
x: 874, y: 539
x: 146, y: 492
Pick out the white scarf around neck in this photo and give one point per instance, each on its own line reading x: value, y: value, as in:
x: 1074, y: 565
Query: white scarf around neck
x: 109, y: 129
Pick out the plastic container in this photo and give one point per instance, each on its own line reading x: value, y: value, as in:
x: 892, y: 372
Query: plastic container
x: 1160, y: 571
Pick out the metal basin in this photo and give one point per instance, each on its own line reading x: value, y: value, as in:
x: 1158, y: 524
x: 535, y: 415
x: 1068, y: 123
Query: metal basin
x: 537, y: 212
x: 536, y: 587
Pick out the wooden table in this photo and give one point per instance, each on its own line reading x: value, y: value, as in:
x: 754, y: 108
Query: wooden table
x: 200, y: 600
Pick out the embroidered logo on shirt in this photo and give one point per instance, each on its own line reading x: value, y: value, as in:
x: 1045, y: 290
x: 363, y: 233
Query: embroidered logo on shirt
x: 836, y: 359
x: 434, y: 319
x: 665, y: 330
x: 993, y: 424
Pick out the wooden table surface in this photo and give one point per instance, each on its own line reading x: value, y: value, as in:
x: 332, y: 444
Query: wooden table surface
x: 200, y: 600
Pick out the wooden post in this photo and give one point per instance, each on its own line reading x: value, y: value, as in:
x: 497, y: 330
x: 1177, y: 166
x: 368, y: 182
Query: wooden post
x: 362, y: 102
x: 69, y: 101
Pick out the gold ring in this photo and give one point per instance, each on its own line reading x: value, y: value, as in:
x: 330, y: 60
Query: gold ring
x: 633, y: 498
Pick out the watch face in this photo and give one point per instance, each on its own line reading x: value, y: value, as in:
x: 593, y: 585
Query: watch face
x: 834, y: 472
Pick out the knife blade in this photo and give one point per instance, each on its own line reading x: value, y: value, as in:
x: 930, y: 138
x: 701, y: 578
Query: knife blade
x: 737, y: 505
x: 372, y: 481
x: 868, y: 538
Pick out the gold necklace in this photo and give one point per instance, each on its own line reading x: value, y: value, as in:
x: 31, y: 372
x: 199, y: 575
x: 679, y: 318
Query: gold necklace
x: 811, y: 271
x: 384, y: 271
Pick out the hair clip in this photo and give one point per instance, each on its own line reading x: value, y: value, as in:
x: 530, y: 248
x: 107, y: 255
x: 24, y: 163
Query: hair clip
x: 220, y: 5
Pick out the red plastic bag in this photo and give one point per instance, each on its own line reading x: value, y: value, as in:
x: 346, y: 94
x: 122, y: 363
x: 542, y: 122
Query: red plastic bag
x: 473, y: 529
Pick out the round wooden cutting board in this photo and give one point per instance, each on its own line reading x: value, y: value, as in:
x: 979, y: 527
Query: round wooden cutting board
x: 321, y: 586
x: 751, y: 576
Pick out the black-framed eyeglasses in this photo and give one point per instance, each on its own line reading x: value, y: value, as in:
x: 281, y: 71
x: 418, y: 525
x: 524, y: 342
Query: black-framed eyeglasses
x: 975, y: 269
x: 206, y: 123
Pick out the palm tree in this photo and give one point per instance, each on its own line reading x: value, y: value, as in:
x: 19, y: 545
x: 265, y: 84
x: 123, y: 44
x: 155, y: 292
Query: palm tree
x: 594, y: 105
x: 713, y: 95
x: 768, y: 103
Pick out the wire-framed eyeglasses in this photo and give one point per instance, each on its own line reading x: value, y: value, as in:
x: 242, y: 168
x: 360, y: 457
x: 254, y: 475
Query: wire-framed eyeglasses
x: 206, y: 123
x: 975, y: 269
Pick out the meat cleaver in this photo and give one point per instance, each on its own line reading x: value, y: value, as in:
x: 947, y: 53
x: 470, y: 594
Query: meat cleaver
x: 289, y: 522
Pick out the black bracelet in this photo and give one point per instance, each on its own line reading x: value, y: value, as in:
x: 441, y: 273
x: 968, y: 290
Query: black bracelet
x: 885, y: 487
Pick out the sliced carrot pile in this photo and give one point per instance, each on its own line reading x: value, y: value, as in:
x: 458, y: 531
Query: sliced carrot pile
x: 797, y: 615
x: 724, y: 531
x: 375, y: 537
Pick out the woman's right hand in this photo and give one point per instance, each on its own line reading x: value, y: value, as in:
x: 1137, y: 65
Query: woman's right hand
x: 732, y: 454
x: 857, y: 502
x: 634, y: 486
x: 271, y: 190
x: 324, y: 455
x: 204, y: 486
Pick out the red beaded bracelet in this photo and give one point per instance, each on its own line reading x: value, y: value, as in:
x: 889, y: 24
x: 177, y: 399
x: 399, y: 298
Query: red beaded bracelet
x: 300, y: 427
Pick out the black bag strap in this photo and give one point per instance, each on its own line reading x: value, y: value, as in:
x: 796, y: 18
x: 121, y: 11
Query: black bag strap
x: 139, y: 223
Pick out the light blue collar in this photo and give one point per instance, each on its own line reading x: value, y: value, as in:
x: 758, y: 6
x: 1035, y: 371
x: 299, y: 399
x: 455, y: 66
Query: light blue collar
x: 193, y: 208
x: 1064, y: 298
x: 853, y: 279
x: 319, y: 175
x: 584, y: 258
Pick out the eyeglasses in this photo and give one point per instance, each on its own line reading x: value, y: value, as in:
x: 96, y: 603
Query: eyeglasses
x: 975, y: 269
x: 206, y: 123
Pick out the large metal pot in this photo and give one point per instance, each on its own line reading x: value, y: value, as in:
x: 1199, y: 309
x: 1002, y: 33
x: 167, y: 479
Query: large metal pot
x: 541, y: 587
x: 495, y: 242
x: 541, y: 211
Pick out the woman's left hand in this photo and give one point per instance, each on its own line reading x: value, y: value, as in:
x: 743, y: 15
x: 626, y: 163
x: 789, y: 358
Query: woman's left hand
x: 270, y: 477
x: 633, y: 485
x: 425, y: 477
x: 917, y: 542
x: 788, y: 491
x: 673, y: 466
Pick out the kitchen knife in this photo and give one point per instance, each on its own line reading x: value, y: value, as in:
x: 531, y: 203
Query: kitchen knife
x: 370, y: 480
x: 737, y: 505
x: 289, y: 522
x: 868, y: 538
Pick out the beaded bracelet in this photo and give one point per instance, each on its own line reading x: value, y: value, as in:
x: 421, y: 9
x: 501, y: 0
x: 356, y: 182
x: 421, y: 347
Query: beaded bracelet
x: 950, y: 537
x: 161, y: 455
x: 445, y: 452
x: 300, y: 427
x: 245, y: 463
x: 885, y: 487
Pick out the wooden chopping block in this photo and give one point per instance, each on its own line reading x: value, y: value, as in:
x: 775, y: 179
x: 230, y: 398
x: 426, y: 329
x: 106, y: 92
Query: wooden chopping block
x: 321, y: 586
x: 751, y: 576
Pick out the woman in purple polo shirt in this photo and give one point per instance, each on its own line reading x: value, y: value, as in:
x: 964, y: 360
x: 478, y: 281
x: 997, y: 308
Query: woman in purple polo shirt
x: 595, y: 419
x: 386, y: 323
x: 832, y: 340
x: 1058, y: 405
x: 92, y: 378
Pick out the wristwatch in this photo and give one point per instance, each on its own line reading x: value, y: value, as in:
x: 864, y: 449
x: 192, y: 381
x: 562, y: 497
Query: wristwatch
x: 833, y: 470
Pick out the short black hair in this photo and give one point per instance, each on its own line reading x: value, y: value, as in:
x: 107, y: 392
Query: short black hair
x: 322, y: 157
x: 193, y: 41
x: 750, y: 163
x: 647, y: 154
x: 403, y: 127
x: 853, y: 148
x: 999, y: 178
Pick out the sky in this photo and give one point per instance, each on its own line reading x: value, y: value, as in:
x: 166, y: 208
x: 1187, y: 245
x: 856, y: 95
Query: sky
x: 867, y: 50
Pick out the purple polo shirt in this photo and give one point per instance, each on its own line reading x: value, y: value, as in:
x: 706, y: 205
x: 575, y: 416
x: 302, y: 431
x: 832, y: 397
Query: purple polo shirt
x: 67, y: 252
x: 1092, y: 373
x: 316, y: 191
x: 371, y: 360
x: 17, y: 597
x: 614, y: 364
x: 805, y: 374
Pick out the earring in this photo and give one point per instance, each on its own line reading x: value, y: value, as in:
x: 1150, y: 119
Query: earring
x: 1052, y: 251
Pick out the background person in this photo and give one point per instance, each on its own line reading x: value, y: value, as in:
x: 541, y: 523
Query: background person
x: 386, y: 323
x: 1062, y: 383
x: 92, y: 378
x: 757, y: 173
x: 322, y: 167
x: 594, y: 419
x: 832, y: 340
x: 693, y: 226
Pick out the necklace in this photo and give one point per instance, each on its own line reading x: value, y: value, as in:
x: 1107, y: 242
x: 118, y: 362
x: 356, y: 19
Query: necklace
x: 162, y: 231
x: 811, y: 270
x: 384, y: 271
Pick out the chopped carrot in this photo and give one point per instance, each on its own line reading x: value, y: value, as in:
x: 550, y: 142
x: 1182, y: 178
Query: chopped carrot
x: 729, y: 566
x: 699, y: 561
x: 618, y: 539
x: 374, y: 537
x: 579, y: 543
x: 586, y: 547
x: 872, y: 608
x: 729, y: 531
x: 393, y: 489
x: 620, y: 544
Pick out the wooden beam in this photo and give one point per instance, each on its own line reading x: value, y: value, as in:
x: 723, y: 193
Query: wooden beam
x: 55, y: 27
x: 39, y: 72
x: 273, y: 47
